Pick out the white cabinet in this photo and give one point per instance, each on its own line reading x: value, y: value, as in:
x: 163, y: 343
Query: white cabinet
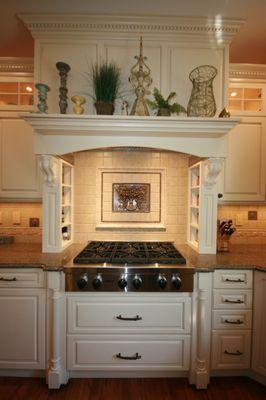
x: 157, y: 338
x: 243, y: 177
x: 259, y: 324
x: 19, y: 173
x: 22, y: 315
x: 231, y: 319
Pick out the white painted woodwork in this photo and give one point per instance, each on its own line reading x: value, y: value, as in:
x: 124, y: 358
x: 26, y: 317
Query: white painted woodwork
x: 164, y: 352
x: 224, y: 342
x: 232, y: 298
x: 243, y: 178
x: 53, y: 203
x: 201, y: 331
x: 228, y: 319
x: 259, y: 324
x: 56, y: 372
x: 87, y: 314
x: 202, y: 205
x: 19, y: 173
x: 22, y: 333
x: 18, y: 277
x: 60, y: 134
x: 234, y: 278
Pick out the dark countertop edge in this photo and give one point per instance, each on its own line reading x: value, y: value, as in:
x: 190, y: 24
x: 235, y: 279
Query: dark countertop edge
x: 206, y: 269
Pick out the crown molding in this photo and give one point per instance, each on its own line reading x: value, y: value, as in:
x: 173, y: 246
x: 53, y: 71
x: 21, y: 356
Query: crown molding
x: 79, y: 25
x: 247, y: 71
x: 16, y: 65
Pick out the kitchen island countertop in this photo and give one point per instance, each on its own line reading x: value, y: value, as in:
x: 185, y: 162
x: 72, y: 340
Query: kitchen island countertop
x: 23, y: 255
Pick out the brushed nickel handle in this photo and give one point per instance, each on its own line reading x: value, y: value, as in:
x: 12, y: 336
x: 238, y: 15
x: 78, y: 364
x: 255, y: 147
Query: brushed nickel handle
x: 136, y: 318
x: 234, y: 280
x: 8, y: 279
x: 235, y: 322
x: 231, y: 353
x: 137, y: 356
x: 238, y: 301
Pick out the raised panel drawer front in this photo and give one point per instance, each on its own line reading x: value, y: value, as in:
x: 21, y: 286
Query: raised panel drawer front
x: 240, y: 279
x: 90, y: 315
x: 231, y: 350
x: 22, y: 277
x: 232, y: 299
x: 237, y: 319
x: 132, y: 352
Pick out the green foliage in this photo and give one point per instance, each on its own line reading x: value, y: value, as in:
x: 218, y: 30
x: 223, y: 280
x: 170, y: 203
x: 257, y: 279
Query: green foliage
x: 161, y: 103
x: 105, y: 81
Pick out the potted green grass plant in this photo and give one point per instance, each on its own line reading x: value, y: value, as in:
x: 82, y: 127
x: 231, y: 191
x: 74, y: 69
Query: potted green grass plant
x: 164, y: 106
x: 105, y: 83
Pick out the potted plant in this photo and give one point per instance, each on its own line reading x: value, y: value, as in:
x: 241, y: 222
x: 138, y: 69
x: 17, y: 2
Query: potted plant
x: 163, y: 106
x: 105, y: 83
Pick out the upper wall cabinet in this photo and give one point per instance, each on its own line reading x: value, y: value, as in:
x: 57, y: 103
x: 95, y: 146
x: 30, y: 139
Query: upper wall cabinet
x: 243, y: 178
x: 19, y: 173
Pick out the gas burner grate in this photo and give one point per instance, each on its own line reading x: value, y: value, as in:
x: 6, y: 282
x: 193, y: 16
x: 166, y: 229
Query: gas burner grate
x: 130, y: 253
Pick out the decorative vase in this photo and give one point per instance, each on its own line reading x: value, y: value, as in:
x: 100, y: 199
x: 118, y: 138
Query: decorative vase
x: 63, y: 69
x: 163, y: 112
x: 104, y: 108
x: 42, y: 96
x: 78, y: 102
x: 202, y: 101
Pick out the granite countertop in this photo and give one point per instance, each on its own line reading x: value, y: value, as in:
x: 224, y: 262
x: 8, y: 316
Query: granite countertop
x: 23, y: 255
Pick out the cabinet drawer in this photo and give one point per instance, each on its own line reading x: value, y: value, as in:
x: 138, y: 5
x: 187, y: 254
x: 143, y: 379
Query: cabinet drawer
x: 230, y: 350
x: 230, y: 279
x: 237, y: 319
x: 232, y: 299
x: 22, y: 277
x: 132, y: 352
x: 87, y: 315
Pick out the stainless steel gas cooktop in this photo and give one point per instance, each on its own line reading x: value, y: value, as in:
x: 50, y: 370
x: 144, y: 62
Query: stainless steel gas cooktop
x: 129, y: 266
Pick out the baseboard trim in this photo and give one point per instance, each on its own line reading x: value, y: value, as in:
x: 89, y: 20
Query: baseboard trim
x: 128, y: 374
x: 23, y: 373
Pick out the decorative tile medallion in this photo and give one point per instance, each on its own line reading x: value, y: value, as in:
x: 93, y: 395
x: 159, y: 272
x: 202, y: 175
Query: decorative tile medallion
x: 131, y: 197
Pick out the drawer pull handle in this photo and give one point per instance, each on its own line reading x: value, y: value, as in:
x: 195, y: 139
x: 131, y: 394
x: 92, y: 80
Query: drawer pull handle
x: 238, y: 301
x: 137, y: 356
x: 235, y: 322
x: 136, y: 318
x: 237, y: 353
x: 234, y: 280
x: 8, y: 279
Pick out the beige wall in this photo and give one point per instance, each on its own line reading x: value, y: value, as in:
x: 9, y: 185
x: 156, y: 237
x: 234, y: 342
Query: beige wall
x: 247, y: 231
x: 87, y: 166
x: 22, y: 231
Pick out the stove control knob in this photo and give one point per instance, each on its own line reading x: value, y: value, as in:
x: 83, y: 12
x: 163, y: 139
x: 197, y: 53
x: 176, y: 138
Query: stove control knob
x: 161, y: 281
x: 97, y: 281
x: 176, y: 281
x: 122, y: 283
x: 83, y: 281
x: 137, y: 281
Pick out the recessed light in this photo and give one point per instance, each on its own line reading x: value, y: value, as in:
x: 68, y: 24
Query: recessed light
x: 233, y: 94
x: 29, y: 88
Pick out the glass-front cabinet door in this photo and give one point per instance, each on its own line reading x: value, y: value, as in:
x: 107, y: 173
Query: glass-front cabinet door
x: 247, y: 98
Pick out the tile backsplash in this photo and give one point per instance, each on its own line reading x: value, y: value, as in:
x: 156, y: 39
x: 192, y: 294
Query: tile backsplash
x: 87, y: 196
x: 15, y: 221
x: 247, y: 231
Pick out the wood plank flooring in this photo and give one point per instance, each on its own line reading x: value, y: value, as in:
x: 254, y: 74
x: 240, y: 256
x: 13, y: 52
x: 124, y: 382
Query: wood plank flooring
x: 131, y: 389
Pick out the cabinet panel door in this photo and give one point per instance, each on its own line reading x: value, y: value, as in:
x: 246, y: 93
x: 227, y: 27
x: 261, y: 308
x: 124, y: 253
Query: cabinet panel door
x: 259, y: 324
x: 244, y: 170
x: 19, y: 175
x: 22, y: 333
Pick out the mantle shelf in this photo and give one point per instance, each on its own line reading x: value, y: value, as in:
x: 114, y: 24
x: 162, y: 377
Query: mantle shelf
x: 65, y: 124
x: 58, y: 134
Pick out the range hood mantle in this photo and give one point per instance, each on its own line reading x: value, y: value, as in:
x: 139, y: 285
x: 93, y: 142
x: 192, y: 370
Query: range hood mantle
x: 60, y: 134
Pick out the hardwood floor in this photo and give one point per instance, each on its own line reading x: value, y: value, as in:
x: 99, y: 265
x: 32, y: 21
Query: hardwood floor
x: 131, y: 389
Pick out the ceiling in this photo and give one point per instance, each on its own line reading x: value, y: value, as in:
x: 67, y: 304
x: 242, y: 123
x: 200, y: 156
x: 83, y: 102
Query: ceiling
x: 249, y: 46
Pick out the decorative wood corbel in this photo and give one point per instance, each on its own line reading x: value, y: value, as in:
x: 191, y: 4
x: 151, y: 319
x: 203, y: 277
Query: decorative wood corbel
x: 48, y: 167
x: 212, y: 169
